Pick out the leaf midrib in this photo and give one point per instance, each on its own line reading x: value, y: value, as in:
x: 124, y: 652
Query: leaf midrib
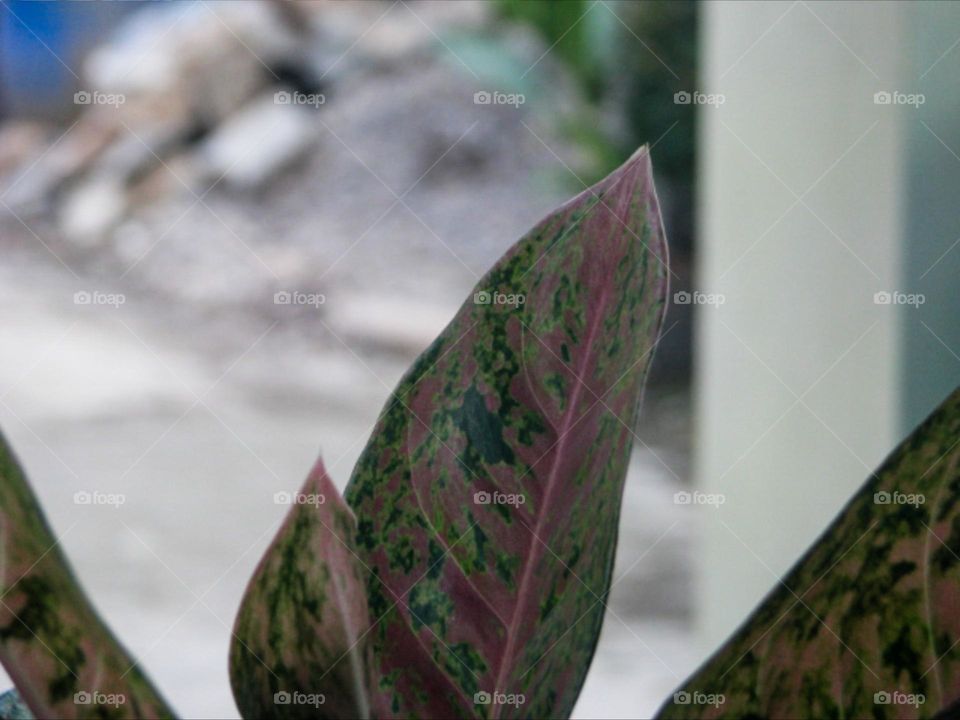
x: 536, y: 549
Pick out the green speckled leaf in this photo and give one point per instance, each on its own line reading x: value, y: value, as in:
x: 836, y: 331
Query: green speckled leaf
x: 867, y: 624
x: 488, y: 496
x: 299, y: 649
x: 61, y: 657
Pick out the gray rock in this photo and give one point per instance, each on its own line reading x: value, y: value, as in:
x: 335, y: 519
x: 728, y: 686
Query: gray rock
x: 254, y: 144
x: 88, y: 211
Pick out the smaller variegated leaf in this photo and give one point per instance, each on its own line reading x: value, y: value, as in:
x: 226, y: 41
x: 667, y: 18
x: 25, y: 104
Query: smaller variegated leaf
x: 299, y: 646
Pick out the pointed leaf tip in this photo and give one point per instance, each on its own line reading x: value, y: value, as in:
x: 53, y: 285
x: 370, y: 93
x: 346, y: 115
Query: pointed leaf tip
x: 299, y: 646
x: 490, y: 489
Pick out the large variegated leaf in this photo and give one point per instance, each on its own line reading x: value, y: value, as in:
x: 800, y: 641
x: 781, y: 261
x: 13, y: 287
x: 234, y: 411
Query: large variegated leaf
x: 299, y: 647
x: 488, y: 497
x: 867, y: 624
x: 62, y: 658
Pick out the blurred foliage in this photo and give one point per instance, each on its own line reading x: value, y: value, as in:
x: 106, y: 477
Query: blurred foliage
x: 571, y: 28
x: 629, y: 59
x: 669, y: 30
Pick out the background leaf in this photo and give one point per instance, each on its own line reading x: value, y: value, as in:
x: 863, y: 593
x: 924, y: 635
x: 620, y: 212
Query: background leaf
x: 488, y: 496
x: 52, y: 643
x: 873, y: 607
x: 299, y: 635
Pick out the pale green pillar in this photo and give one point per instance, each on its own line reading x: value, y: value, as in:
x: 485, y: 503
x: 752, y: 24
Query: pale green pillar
x: 804, y: 199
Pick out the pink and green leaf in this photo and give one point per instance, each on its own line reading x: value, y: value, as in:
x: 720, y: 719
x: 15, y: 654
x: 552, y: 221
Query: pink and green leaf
x: 60, y: 655
x: 299, y: 647
x: 867, y: 623
x: 527, y: 399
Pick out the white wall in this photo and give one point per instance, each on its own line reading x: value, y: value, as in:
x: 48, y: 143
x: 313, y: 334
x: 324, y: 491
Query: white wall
x: 797, y: 372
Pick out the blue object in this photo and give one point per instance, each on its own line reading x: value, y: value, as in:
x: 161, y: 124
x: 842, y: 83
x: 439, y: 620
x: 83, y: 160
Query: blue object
x: 12, y: 707
x: 42, y: 45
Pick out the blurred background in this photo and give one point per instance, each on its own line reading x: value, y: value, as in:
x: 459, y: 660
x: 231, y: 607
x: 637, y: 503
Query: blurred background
x: 227, y: 228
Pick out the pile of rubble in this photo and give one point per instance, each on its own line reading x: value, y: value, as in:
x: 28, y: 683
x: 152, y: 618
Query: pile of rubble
x: 225, y: 152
